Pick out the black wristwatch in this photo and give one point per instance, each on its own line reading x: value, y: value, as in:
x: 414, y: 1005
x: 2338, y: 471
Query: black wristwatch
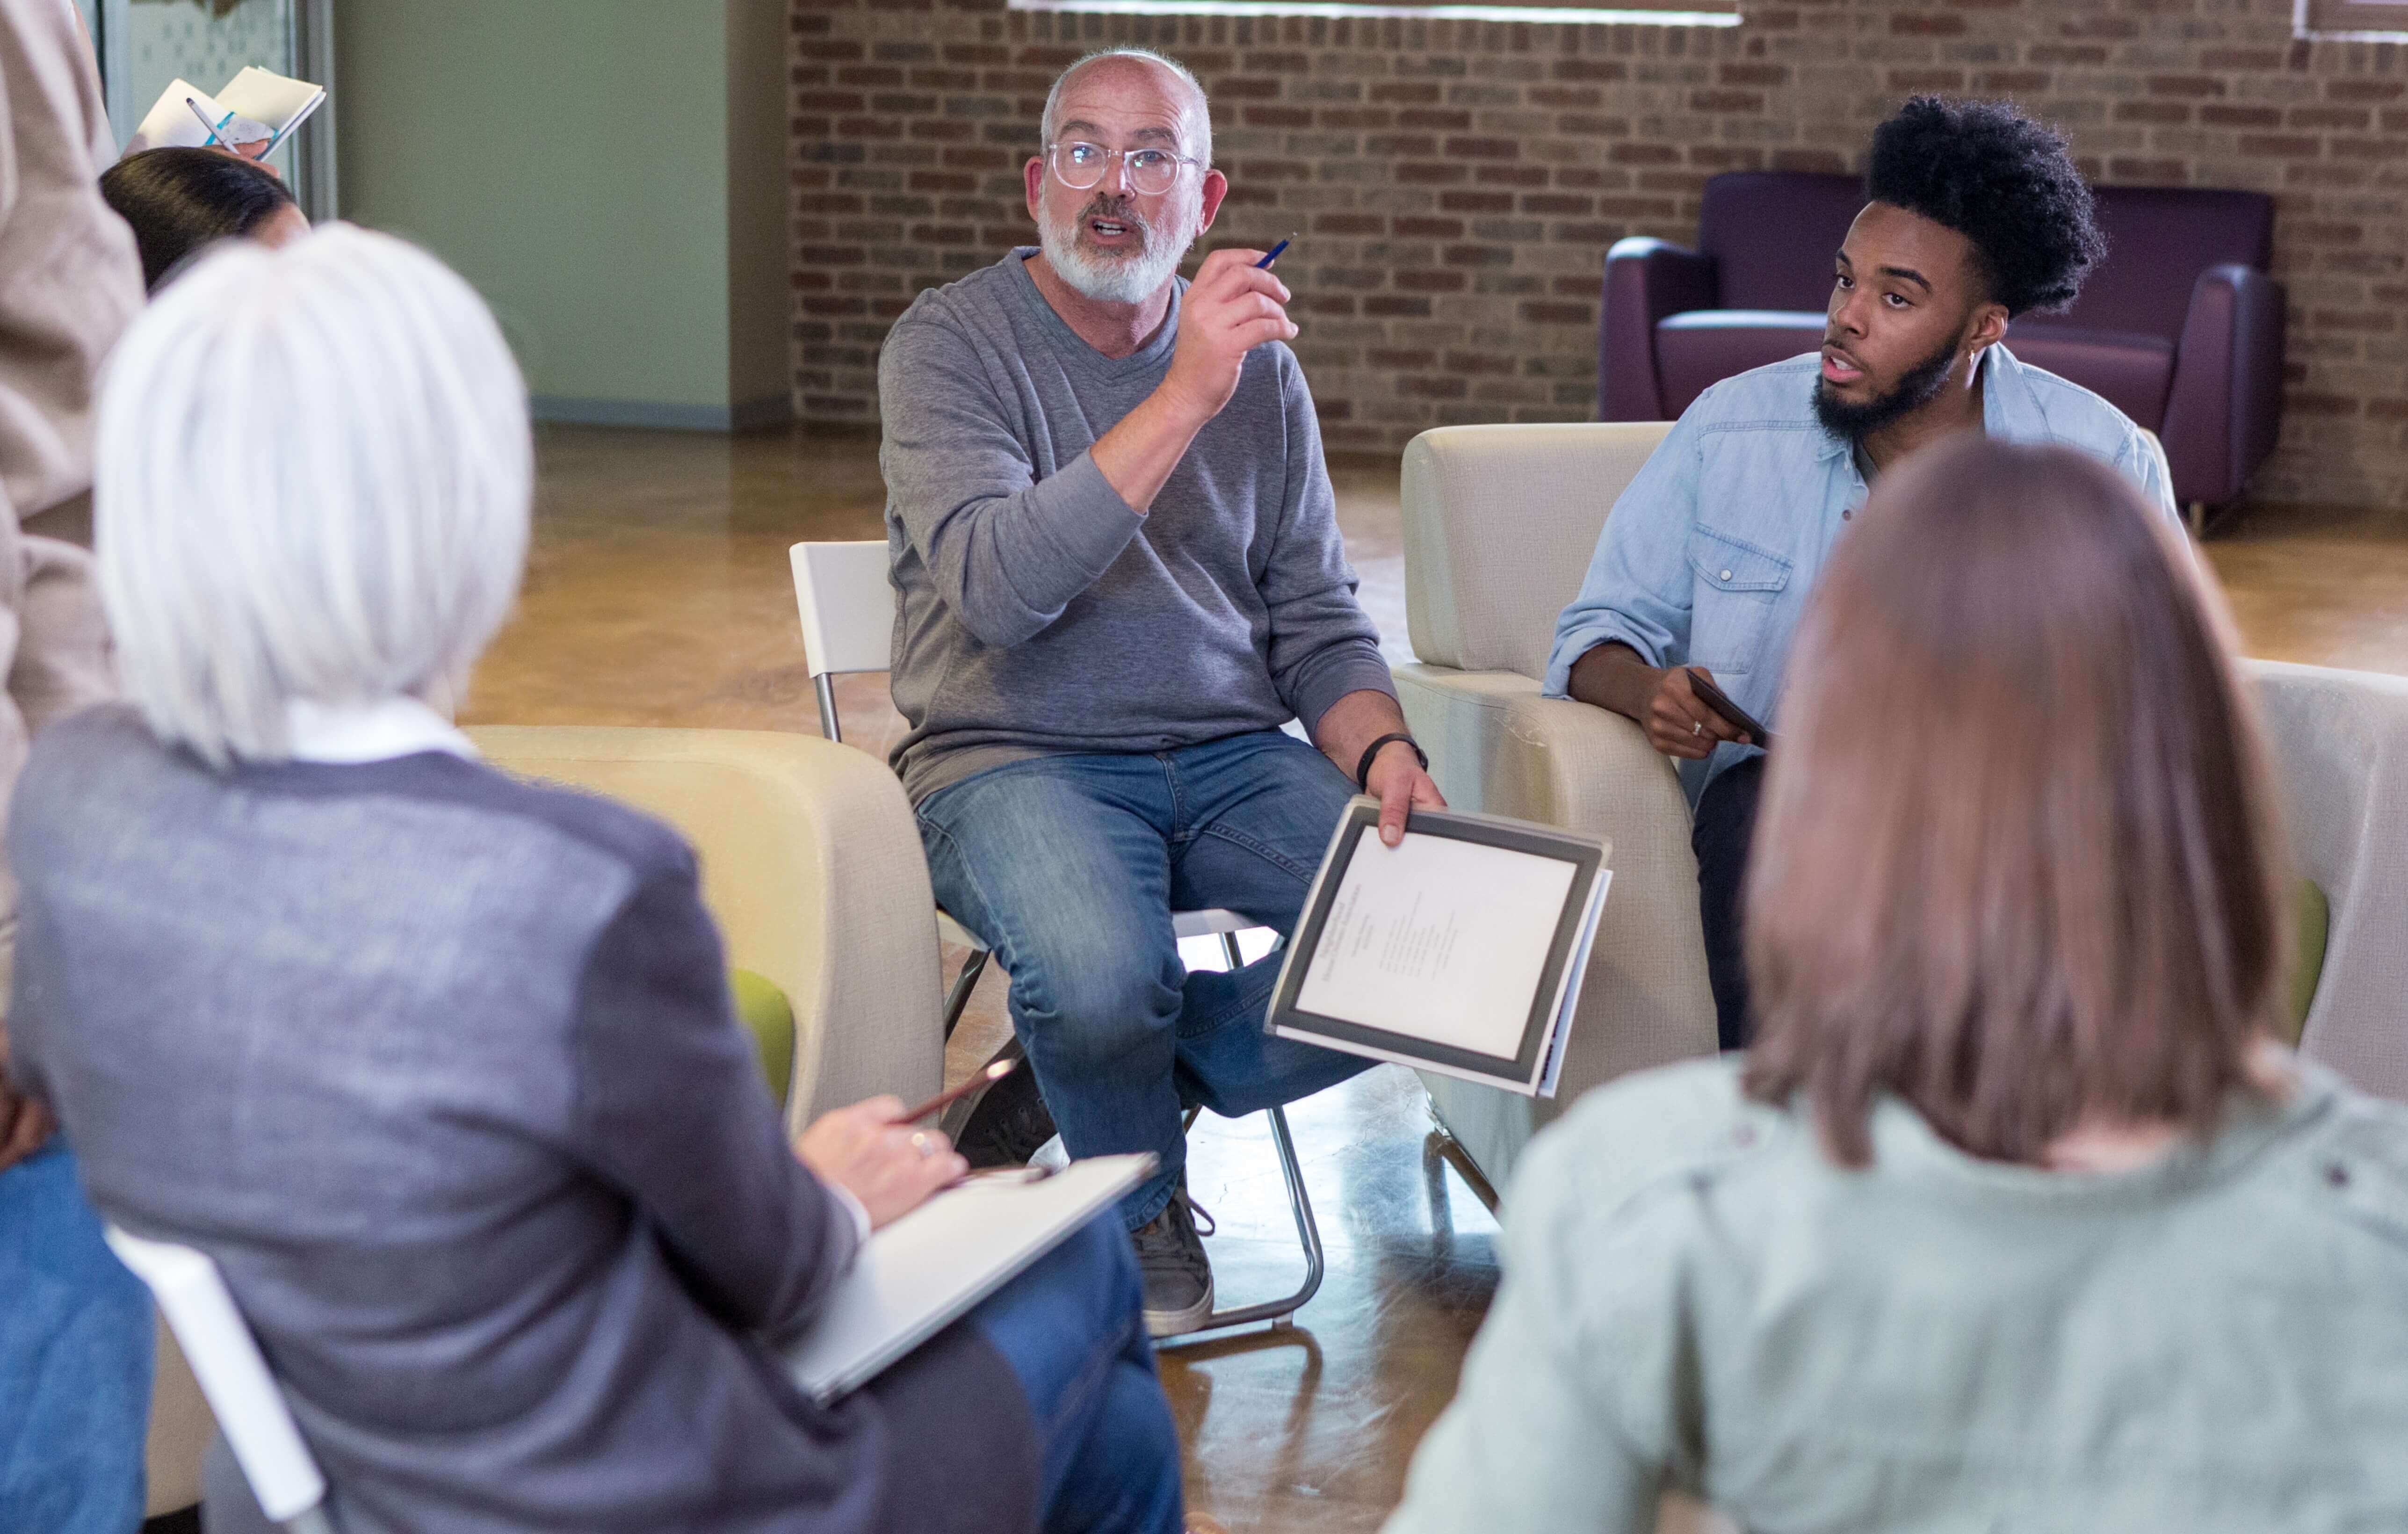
x: 1363, y: 768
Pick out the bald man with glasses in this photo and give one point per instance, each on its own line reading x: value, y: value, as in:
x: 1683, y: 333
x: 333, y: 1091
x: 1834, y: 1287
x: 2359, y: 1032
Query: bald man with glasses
x: 1120, y: 574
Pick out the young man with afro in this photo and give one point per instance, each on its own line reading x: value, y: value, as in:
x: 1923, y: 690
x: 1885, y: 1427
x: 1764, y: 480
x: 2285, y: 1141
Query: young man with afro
x: 1974, y: 215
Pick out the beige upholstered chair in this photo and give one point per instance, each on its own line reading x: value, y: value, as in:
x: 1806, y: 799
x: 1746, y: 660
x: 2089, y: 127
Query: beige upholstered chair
x: 1500, y: 523
x: 813, y: 870
x: 2341, y: 759
x: 812, y: 867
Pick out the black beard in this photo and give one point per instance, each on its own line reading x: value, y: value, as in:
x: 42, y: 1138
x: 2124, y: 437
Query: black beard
x: 1919, y: 386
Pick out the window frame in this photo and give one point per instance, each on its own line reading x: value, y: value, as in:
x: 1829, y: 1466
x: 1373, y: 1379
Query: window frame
x: 2351, y: 20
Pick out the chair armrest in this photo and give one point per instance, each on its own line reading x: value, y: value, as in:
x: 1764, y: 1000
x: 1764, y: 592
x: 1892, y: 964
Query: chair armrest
x: 1498, y: 748
x: 812, y: 867
x: 2226, y: 404
x: 1645, y: 280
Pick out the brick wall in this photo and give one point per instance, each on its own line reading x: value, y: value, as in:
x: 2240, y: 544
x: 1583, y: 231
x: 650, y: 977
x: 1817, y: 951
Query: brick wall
x: 1457, y: 183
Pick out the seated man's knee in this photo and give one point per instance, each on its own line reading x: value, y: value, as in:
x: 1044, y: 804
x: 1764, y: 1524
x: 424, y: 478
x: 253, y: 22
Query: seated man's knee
x: 1096, y: 1004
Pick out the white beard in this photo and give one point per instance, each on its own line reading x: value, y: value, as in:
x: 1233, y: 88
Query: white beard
x: 1110, y: 279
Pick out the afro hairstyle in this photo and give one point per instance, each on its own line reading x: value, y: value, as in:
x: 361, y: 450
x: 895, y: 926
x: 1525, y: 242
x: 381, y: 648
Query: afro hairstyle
x: 2004, y: 181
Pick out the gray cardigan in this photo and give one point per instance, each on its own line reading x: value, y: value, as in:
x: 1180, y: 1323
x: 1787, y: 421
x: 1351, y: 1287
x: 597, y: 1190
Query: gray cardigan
x: 441, y: 1067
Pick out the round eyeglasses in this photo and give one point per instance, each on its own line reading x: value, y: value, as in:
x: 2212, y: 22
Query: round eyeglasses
x: 1148, y: 171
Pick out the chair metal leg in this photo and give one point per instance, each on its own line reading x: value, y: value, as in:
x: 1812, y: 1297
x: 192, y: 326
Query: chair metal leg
x: 958, y: 997
x: 1308, y: 1233
x: 824, y: 689
x: 1278, y: 1310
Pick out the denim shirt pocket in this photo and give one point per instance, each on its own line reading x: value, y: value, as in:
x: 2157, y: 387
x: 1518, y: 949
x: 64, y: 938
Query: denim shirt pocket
x: 1738, y: 587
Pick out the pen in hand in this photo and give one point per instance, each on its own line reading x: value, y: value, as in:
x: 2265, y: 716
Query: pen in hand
x: 995, y: 1072
x: 1265, y: 264
x: 205, y: 120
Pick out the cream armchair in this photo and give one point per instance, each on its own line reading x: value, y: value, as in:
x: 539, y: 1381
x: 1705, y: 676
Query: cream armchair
x: 2340, y: 742
x: 813, y: 868
x: 1500, y: 523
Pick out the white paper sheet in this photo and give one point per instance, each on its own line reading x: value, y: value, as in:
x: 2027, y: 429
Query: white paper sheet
x: 1441, y: 939
x: 262, y: 103
x: 176, y: 120
x: 929, y: 1268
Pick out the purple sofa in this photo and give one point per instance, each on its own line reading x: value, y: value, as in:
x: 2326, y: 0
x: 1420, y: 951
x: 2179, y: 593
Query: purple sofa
x: 2181, y: 327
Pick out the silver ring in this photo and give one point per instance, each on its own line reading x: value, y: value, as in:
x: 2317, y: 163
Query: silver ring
x: 1695, y: 727
x: 921, y: 1143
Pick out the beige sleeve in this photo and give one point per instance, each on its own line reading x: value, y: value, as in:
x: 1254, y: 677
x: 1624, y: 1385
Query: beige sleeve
x: 69, y: 284
x: 70, y: 280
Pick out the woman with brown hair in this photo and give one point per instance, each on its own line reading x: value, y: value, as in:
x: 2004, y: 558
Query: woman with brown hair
x: 2014, y: 1216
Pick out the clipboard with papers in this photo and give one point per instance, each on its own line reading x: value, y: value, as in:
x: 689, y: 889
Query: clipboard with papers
x: 1459, y: 950
x: 930, y: 1268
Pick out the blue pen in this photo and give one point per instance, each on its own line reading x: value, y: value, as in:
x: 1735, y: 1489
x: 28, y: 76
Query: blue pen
x: 1264, y: 265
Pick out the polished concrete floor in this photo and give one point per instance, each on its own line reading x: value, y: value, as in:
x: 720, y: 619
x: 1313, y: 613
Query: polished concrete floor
x: 658, y: 593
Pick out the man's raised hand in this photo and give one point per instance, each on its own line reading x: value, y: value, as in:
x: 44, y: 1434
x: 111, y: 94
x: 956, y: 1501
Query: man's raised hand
x: 1231, y: 307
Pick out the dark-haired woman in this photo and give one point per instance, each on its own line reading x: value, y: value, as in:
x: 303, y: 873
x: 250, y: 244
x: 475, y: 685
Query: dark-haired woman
x: 2014, y: 1217
x: 178, y: 200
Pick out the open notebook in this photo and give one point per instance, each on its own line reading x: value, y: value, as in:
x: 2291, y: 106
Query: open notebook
x: 1459, y: 950
x: 257, y: 105
x: 927, y: 1269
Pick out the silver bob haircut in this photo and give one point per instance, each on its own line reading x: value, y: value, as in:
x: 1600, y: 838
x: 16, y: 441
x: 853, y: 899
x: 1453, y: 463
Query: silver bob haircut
x: 1203, y: 149
x: 314, y: 474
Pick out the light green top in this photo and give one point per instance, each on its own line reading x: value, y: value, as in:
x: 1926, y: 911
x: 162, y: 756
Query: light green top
x: 1695, y: 1299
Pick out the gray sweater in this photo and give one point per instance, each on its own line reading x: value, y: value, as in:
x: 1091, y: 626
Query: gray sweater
x: 1039, y: 614
x: 441, y: 1067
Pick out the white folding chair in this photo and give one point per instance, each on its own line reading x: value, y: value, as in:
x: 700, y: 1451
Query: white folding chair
x: 847, y: 603
x: 242, y: 1394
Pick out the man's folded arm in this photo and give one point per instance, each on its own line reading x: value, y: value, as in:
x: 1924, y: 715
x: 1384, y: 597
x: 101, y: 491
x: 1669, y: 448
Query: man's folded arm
x: 1007, y: 551
x: 1638, y: 589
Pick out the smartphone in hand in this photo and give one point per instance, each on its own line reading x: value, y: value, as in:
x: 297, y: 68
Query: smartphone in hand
x: 1715, y: 698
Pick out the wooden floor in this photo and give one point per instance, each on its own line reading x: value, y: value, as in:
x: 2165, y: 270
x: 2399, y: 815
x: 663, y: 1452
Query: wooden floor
x: 658, y: 593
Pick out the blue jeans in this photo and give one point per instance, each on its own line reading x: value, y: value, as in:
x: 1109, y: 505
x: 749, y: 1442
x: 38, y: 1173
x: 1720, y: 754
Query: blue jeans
x: 1072, y: 1329
x: 1723, y: 832
x: 75, y: 1346
x: 1069, y: 866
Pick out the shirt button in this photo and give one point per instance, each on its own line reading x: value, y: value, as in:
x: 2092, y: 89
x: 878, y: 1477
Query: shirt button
x: 1848, y: 516
x: 1726, y: 575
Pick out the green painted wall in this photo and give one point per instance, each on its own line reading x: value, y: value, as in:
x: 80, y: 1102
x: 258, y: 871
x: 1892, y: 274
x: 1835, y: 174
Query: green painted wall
x: 572, y: 158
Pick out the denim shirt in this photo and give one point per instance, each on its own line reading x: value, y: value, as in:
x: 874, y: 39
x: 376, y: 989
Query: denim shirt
x: 1709, y: 557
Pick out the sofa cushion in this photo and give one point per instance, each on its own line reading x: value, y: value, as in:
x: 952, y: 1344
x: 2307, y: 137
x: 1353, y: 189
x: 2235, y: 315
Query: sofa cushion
x: 1695, y: 351
x: 1700, y: 348
x: 769, y: 1018
x: 2133, y: 370
x: 2312, y: 922
x: 1773, y: 233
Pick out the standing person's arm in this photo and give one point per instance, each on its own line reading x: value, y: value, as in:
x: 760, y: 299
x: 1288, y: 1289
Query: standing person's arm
x: 74, y: 283
x: 1008, y: 551
x: 671, y: 1107
x: 1614, y: 644
x: 1323, y: 651
x: 25, y: 1121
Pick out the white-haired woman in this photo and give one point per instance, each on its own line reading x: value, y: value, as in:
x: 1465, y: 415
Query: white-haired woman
x: 440, y: 1066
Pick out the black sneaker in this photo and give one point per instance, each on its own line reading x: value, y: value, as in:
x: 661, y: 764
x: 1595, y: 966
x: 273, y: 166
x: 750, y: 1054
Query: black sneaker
x: 1005, y: 1125
x: 1178, y: 1275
